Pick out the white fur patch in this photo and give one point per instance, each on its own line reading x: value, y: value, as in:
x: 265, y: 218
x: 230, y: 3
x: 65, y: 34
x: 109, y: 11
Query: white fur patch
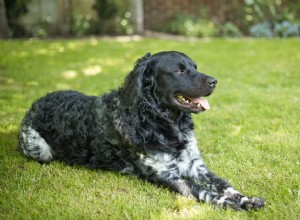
x: 222, y: 200
x: 158, y: 162
x: 230, y: 192
x: 244, y: 199
x: 192, y: 145
x: 202, y: 195
x: 35, y: 146
x: 184, y: 163
x: 189, y: 161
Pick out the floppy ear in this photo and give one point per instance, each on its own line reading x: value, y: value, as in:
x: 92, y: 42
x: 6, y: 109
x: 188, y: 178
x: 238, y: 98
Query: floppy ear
x: 147, y: 74
x: 147, y: 77
x: 140, y: 82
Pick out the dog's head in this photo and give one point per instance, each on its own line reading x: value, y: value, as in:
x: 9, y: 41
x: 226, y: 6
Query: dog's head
x: 170, y: 79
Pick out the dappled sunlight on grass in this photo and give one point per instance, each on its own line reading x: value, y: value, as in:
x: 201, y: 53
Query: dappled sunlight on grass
x: 42, y: 52
x: 87, y: 71
x: 72, y: 45
x: 69, y: 74
x: 94, y: 41
x: 23, y: 54
x: 92, y: 70
x: 188, y: 208
x: 185, y: 208
x: 111, y: 61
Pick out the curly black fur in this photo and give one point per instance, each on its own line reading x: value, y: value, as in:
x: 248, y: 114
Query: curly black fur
x: 144, y: 129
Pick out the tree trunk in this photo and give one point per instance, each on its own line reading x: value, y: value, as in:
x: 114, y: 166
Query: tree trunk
x: 4, y: 31
x: 137, y: 15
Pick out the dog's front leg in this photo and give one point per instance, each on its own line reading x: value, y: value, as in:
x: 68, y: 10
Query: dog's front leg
x: 189, y: 189
x: 163, y: 170
x: 196, y: 170
x: 192, y: 167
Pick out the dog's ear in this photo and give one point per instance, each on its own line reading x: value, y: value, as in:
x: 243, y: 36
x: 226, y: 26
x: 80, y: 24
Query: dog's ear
x: 145, y: 72
x: 141, y: 80
x: 147, y: 76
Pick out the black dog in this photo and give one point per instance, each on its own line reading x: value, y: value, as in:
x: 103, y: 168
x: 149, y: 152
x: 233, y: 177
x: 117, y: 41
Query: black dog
x: 143, y: 129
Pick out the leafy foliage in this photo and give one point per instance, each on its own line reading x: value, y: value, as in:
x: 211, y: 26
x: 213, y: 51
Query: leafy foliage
x: 83, y: 25
x: 113, y: 18
x: 186, y: 25
x: 282, y: 29
x: 14, y: 9
x: 286, y: 29
x: 261, y: 30
x: 106, y: 9
x: 236, y: 18
x: 229, y: 29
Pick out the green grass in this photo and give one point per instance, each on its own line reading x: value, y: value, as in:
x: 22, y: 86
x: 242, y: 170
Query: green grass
x: 250, y: 136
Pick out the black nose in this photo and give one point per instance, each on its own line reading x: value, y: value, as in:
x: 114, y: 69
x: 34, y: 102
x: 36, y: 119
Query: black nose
x: 211, y: 82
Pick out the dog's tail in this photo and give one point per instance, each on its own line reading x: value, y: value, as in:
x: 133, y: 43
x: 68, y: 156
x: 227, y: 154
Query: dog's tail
x: 34, y: 146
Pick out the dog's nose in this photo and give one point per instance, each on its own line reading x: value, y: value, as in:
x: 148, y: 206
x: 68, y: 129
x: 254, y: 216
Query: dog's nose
x: 211, y: 81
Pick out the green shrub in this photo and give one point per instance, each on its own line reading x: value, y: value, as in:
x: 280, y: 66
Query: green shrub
x: 258, y: 12
x: 123, y: 24
x: 106, y: 9
x: 286, y: 29
x: 229, y: 30
x: 261, y: 30
x: 113, y: 17
x: 41, y: 28
x: 281, y: 29
x: 83, y: 25
x: 191, y: 27
x: 14, y: 9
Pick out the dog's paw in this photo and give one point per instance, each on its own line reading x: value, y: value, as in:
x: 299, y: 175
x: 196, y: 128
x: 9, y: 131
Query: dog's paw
x: 246, y: 203
x: 252, y: 203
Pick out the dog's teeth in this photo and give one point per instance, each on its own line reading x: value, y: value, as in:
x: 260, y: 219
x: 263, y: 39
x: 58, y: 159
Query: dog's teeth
x: 186, y: 100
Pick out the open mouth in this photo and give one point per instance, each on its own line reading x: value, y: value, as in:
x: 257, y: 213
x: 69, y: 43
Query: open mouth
x: 194, y: 104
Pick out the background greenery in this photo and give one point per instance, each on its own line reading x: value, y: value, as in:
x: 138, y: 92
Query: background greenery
x: 250, y: 136
x: 256, y: 18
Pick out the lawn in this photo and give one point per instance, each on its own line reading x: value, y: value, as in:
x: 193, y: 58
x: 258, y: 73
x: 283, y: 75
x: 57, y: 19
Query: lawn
x: 250, y: 136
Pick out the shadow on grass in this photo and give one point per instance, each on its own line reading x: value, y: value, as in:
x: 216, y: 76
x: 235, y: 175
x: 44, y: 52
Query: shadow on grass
x: 32, y: 190
x: 9, y: 143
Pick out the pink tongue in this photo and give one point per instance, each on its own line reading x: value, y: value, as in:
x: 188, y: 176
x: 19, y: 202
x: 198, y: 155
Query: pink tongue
x: 203, y: 102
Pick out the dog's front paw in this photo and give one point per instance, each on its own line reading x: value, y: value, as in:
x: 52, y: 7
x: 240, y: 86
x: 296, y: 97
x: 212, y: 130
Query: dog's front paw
x: 252, y: 203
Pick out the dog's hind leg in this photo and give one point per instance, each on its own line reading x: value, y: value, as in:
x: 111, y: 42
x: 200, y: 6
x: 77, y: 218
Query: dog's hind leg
x: 34, y: 146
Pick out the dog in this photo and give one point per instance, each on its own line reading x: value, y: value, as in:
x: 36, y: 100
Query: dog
x: 142, y: 129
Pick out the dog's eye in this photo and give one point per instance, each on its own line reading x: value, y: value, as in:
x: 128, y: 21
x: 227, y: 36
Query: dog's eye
x: 180, y: 70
